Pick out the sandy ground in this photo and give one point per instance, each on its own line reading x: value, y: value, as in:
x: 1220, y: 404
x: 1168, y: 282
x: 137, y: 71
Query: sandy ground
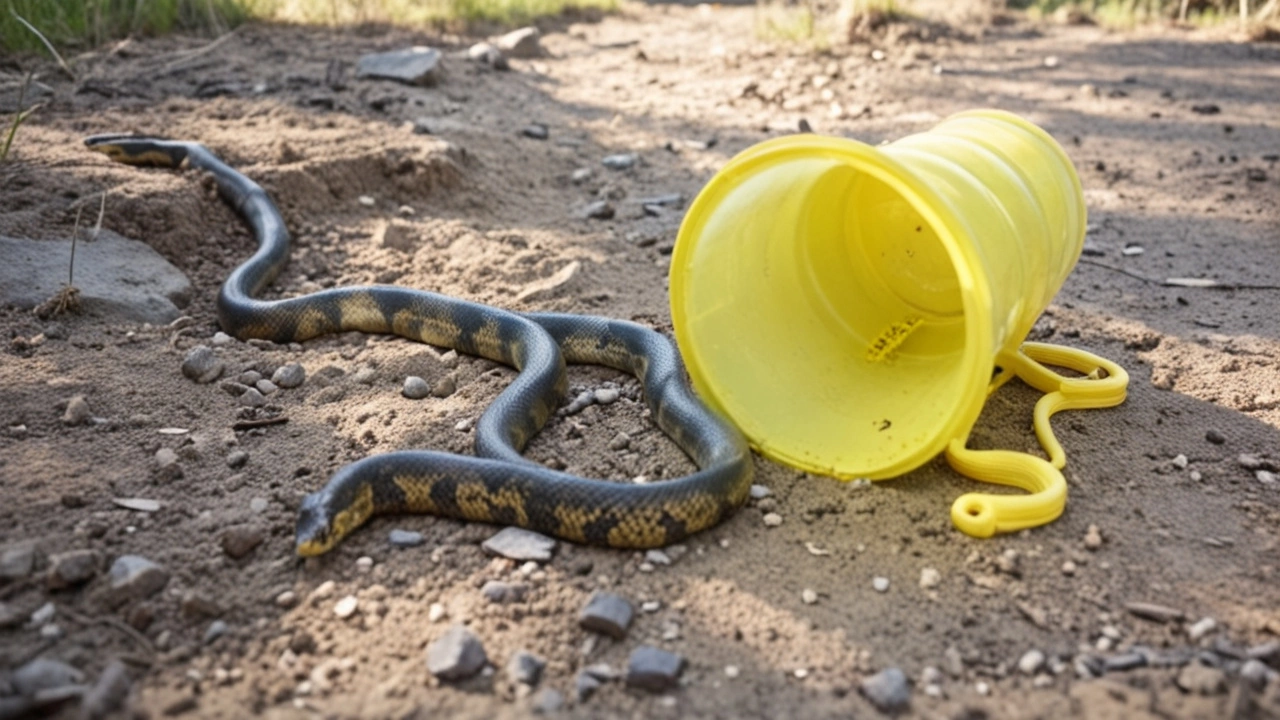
x: 1183, y: 520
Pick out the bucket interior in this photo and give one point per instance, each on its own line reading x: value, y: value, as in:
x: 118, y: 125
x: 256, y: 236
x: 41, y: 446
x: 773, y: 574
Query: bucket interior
x: 820, y: 310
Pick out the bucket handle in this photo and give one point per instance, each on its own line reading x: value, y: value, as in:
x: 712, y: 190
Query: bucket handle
x: 1103, y: 384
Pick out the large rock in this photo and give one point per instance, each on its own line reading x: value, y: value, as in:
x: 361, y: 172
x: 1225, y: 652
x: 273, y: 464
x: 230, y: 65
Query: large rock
x: 417, y: 65
x: 118, y: 278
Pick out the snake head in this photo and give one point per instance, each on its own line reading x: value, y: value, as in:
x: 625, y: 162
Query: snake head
x: 314, y: 532
x: 137, y: 150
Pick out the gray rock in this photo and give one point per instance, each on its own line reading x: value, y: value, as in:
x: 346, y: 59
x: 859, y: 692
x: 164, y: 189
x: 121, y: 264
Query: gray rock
x: 405, y: 538
x: 536, y: 131
x: 134, y: 577
x: 249, y: 377
x: 520, y: 544
x: 118, y: 278
x: 417, y: 65
x: 72, y: 568
x: 167, y: 467
x: 233, y: 388
x: 619, y: 162
x: 43, y: 614
x: 108, y: 694
x: 525, y: 668
x: 196, y: 606
x: 496, y: 591
x: 657, y: 557
x: 607, y: 395
x: 43, y: 674
x: 523, y: 43
x: 1126, y: 661
x: 446, y: 387
x: 1154, y: 612
x: 18, y: 561
x: 266, y: 387
x: 653, y: 669
x: 289, y: 376
x: 415, y: 388
x: 77, y: 412
x: 252, y: 398
x: 599, y: 210
x: 202, y: 365
x: 239, y: 541
x: 620, y: 442
x: 887, y: 690
x: 607, y: 614
x: 603, y: 672
x: 584, y: 686
x: 456, y: 655
x: 236, y: 459
x: 547, y: 701
x: 1200, y: 680
x: 1031, y: 662
x: 216, y: 629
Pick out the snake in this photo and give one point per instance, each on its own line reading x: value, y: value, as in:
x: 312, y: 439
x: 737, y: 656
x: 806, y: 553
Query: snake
x: 497, y: 484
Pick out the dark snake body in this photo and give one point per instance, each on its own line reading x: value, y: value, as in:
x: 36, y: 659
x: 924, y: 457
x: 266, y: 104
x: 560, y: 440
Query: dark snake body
x: 499, y: 485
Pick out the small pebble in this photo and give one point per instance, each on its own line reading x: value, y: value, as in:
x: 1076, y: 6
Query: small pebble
x: 1215, y: 437
x: 17, y: 562
x: 653, y: 669
x: 415, y: 388
x: 216, y: 629
x: 367, y: 201
x: 72, y: 568
x: 1266, y: 477
x: 520, y: 544
x: 266, y: 387
x: 1249, y: 461
x: 365, y: 376
x: 221, y: 338
x: 444, y: 388
x: 406, y: 538
x: 657, y: 557
x: 547, y: 701
x: 249, y: 377
x: 606, y: 396
x: 772, y: 519
x: 43, y: 614
x: 930, y: 578
x: 202, y: 365
x: 880, y: 584
x: 581, y: 175
x: 239, y: 541
x: 1093, y: 538
x: 599, y: 210
x: 134, y: 577
x: 808, y: 597
x: 1180, y: 461
x: 607, y: 614
x: 525, y: 668
x: 1068, y: 568
x: 77, y: 412
x: 619, y: 162
x: 289, y: 376
x: 982, y: 688
x: 236, y: 459
x: 252, y: 398
x: 584, y: 686
x: 43, y: 674
x: 651, y: 606
x: 323, y: 591
x: 621, y: 441
x: 731, y: 671
x: 497, y: 591
x: 887, y: 690
x: 759, y: 492
x: 364, y: 563
x: 436, y: 613
x: 1201, y: 628
x: 536, y: 131
x: 286, y: 599
x: 456, y: 655
x: 346, y: 607
x: 1031, y: 662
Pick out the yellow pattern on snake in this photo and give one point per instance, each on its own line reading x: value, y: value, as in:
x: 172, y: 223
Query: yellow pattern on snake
x: 497, y: 485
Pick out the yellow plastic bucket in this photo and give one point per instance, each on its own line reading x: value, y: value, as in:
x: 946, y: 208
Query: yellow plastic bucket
x: 850, y: 307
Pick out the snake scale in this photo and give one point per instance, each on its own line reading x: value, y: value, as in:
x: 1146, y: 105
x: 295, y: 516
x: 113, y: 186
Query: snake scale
x: 497, y: 485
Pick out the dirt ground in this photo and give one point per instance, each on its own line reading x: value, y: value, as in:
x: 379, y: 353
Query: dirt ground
x: 1184, y: 521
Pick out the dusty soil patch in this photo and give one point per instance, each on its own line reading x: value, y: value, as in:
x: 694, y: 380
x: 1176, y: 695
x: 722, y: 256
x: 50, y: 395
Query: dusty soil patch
x: 492, y: 212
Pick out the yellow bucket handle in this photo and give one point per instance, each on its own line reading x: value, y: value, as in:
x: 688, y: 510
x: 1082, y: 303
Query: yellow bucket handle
x: 1104, y: 385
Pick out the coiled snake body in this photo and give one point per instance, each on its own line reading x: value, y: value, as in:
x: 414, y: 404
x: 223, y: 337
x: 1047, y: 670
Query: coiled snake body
x: 498, y: 485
